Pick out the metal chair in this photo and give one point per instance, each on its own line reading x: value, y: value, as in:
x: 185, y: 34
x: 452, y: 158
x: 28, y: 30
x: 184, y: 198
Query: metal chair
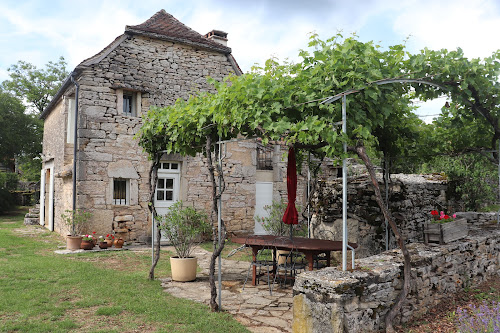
x: 263, y: 259
x: 290, y: 262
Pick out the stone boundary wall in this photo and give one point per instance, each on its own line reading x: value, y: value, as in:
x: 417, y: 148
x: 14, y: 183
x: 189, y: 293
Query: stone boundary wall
x: 330, y: 300
x: 411, y: 199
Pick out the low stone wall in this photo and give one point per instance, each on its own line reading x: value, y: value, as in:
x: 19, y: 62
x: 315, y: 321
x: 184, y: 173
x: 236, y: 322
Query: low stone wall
x: 330, y: 300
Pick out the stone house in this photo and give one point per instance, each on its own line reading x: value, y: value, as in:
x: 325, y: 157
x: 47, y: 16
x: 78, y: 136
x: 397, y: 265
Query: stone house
x: 153, y: 63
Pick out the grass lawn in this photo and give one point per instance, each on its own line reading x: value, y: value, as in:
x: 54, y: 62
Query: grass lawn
x: 90, y: 292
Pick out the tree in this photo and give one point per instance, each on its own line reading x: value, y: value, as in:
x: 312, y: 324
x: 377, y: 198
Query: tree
x: 474, y: 89
x: 21, y: 132
x: 285, y: 102
x: 36, y: 86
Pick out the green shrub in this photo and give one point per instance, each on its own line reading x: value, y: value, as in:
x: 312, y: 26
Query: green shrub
x: 9, y: 180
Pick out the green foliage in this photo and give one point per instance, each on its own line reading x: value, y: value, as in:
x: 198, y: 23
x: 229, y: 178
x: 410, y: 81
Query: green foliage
x: 274, y: 102
x: 474, y: 89
x: 184, y: 227
x: 472, y: 179
x: 76, y: 220
x: 7, y: 201
x: 9, y: 180
x: 273, y: 223
x: 47, y: 292
x: 36, y: 86
x: 21, y: 133
x: 279, y: 102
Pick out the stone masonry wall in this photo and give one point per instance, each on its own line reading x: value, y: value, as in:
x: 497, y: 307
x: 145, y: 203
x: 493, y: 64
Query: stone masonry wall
x: 329, y: 300
x: 411, y: 198
x: 160, y: 72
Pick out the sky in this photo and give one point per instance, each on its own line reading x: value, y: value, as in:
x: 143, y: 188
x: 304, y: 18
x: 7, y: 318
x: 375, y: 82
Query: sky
x: 40, y: 31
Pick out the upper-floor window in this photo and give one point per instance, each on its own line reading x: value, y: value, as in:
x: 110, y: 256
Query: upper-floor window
x: 70, y: 124
x: 128, y: 103
x: 264, y: 157
x: 129, y: 107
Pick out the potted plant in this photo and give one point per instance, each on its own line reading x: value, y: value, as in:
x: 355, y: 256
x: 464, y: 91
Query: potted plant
x: 88, y: 242
x: 75, y: 220
x: 184, y: 227
x: 444, y: 228
x: 102, y: 243
x: 109, y: 239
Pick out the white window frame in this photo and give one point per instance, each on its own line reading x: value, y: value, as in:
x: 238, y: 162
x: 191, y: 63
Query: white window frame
x: 118, y: 202
x: 70, y: 124
x: 136, y: 103
x: 164, y: 170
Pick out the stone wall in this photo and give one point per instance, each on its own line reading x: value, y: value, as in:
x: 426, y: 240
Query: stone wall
x: 330, y: 300
x: 411, y: 198
x: 158, y: 73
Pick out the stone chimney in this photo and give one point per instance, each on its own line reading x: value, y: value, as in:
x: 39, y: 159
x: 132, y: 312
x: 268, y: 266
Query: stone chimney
x: 218, y: 36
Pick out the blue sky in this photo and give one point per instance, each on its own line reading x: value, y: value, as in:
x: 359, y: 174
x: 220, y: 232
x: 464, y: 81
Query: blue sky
x: 39, y: 31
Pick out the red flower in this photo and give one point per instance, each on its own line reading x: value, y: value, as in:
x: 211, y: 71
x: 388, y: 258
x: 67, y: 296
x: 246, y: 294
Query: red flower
x: 107, y: 235
x: 446, y: 217
x: 93, y: 232
x: 434, y: 212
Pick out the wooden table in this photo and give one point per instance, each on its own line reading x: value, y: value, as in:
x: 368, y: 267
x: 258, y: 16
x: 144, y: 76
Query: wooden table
x: 310, y: 247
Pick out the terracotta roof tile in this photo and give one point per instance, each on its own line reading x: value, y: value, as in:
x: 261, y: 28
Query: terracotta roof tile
x: 165, y: 26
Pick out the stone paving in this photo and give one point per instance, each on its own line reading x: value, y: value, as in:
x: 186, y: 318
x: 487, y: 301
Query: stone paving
x: 253, y: 306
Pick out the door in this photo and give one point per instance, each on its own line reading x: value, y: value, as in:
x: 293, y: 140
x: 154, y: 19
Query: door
x: 167, y: 187
x: 47, y: 196
x: 263, y: 197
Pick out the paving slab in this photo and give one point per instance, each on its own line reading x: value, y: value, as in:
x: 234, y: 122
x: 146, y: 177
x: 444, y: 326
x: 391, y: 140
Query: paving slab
x: 252, y: 307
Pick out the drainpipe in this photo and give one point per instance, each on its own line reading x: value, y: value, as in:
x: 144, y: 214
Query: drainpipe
x: 75, y: 148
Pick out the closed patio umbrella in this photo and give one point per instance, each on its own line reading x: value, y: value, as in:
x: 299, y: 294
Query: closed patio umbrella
x: 291, y: 216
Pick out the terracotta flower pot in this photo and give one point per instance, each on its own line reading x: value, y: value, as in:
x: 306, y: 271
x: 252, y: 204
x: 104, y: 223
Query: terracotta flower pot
x: 73, y: 242
x: 103, y: 245
x: 87, y: 245
x: 183, y: 269
x: 119, y: 243
x: 109, y: 241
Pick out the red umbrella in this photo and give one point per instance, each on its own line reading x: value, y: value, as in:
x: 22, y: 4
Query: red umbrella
x: 291, y: 216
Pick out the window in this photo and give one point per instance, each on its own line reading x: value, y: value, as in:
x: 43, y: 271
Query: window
x: 129, y: 104
x: 165, y: 189
x: 121, y: 191
x: 264, y: 157
x: 169, y: 166
x: 70, y: 125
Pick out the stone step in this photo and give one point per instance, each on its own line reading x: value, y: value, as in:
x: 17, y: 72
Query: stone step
x: 31, y: 221
x: 32, y: 215
x: 34, y: 211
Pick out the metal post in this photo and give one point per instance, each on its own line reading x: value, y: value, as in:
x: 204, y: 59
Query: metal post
x: 309, y: 196
x: 344, y: 188
x: 152, y: 238
x: 498, y: 155
x: 386, y: 203
x: 219, y: 224
x: 75, y: 152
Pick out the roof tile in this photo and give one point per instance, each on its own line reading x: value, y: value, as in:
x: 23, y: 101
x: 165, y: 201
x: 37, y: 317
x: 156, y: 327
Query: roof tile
x: 163, y: 25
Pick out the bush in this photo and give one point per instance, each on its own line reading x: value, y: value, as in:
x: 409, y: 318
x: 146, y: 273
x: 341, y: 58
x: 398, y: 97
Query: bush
x: 9, y: 180
x: 184, y: 227
x: 7, y: 201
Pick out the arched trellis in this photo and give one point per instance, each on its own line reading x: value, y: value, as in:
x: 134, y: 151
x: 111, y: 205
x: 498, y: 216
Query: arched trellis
x: 344, y: 95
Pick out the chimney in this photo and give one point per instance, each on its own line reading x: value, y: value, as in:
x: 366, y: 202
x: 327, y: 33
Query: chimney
x: 218, y: 36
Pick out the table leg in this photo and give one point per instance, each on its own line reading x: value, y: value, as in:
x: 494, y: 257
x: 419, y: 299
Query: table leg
x: 328, y: 258
x: 310, y: 260
x: 254, y: 268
